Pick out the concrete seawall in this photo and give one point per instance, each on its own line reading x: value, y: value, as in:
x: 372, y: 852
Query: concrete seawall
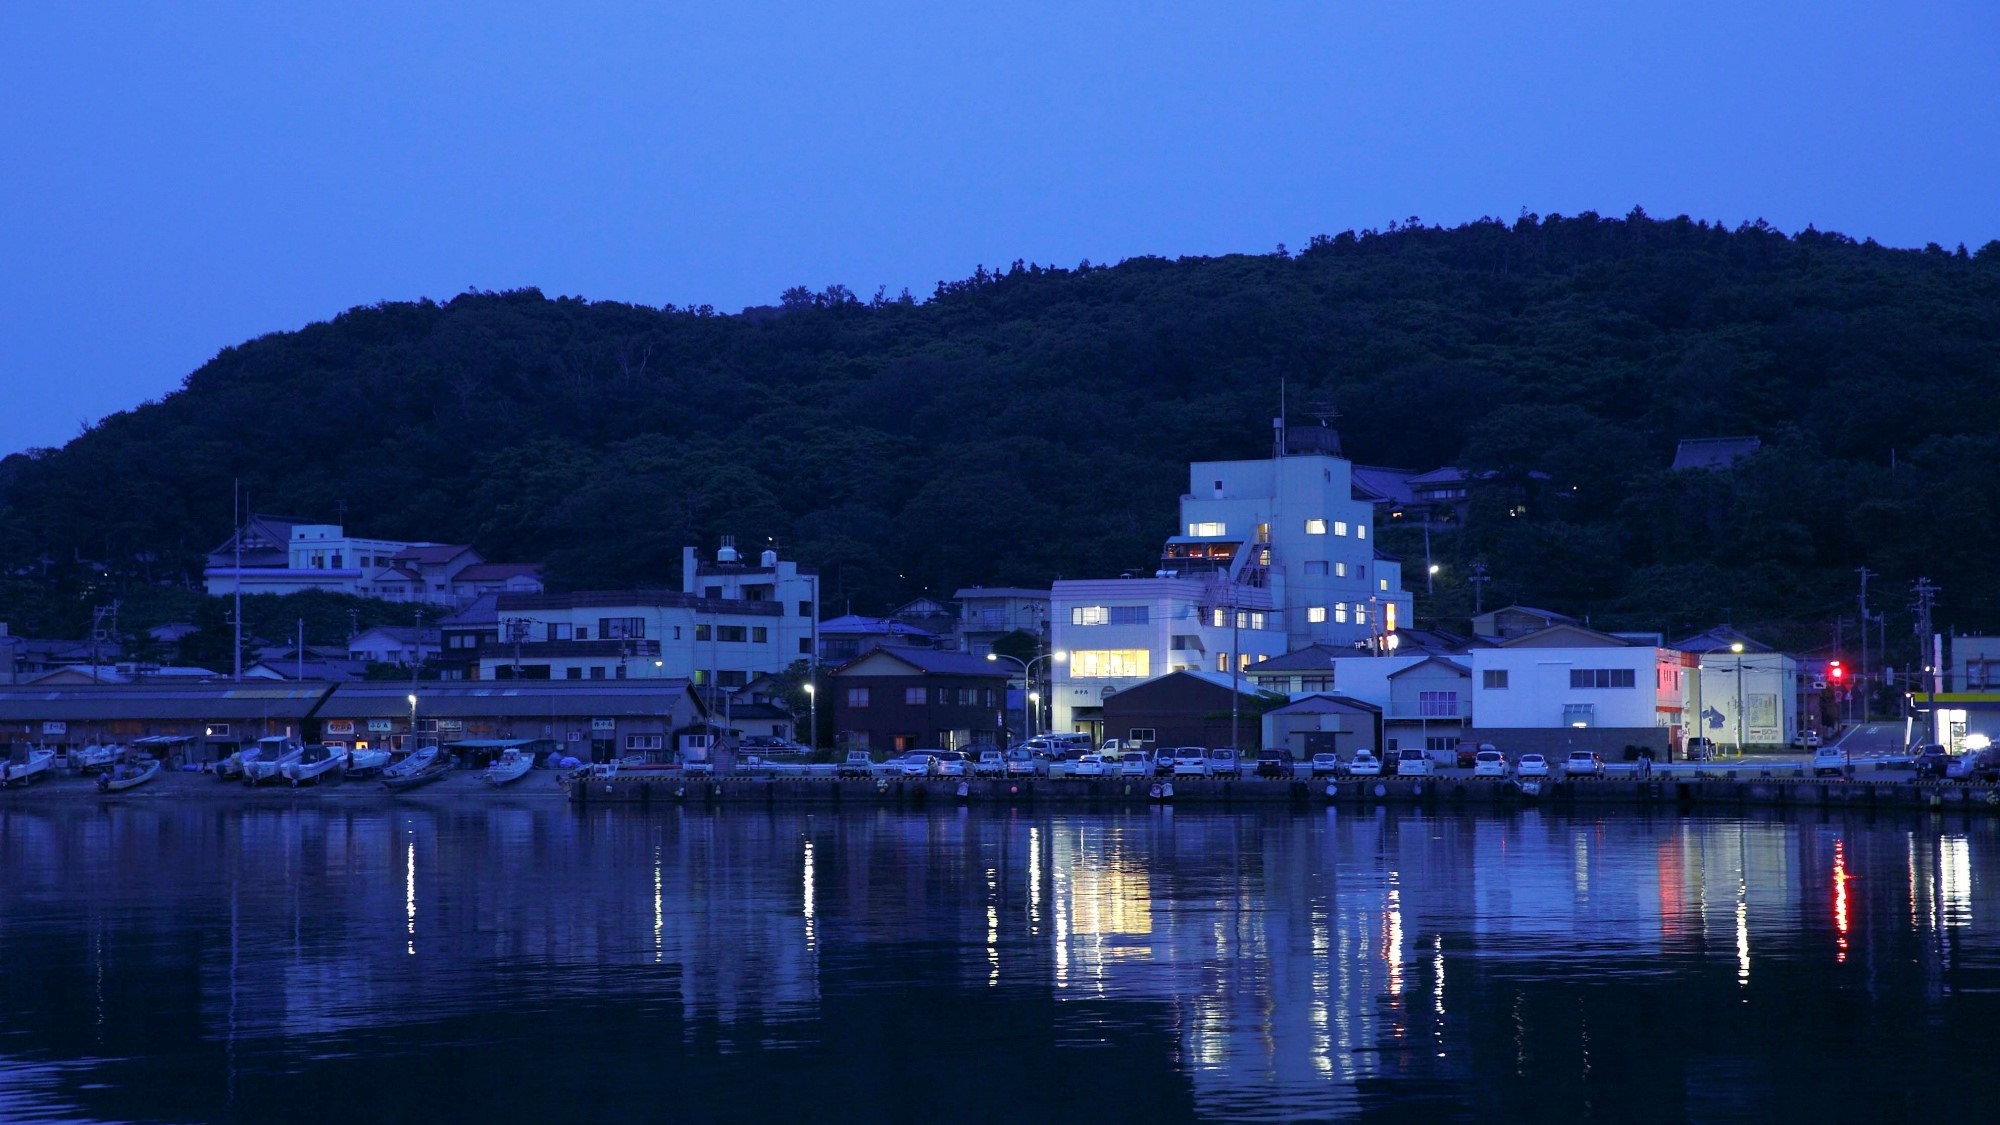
x: 1713, y: 790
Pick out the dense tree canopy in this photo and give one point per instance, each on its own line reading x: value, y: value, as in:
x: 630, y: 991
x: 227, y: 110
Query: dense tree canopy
x: 1035, y: 423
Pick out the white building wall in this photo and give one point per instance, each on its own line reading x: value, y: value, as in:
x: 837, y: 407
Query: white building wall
x: 1763, y: 702
x: 1539, y: 687
x: 1175, y: 607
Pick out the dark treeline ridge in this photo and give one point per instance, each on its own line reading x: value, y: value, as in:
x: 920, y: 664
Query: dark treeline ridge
x: 1036, y: 422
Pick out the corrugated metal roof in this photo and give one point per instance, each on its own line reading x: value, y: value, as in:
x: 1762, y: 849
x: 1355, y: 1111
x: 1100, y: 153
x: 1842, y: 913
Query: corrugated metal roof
x: 509, y: 699
x: 197, y: 702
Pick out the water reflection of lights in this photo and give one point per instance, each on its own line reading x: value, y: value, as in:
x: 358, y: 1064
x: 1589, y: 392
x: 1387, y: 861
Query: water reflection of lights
x: 410, y: 894
x: 1057, y: 886
x: 1437, y: 968
x: 992, y: 927
x: 1392, y: 938
x: 1840, y: 898
x: 1742, y: 932
x: 1034, y: 881
x: 659, y: 915
x: 1955, y: 881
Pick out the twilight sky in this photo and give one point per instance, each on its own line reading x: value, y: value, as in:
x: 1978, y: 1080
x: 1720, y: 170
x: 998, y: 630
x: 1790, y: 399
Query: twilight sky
x: 176, y: 178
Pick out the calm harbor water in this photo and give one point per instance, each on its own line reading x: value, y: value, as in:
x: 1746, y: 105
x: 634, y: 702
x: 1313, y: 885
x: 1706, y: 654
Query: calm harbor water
x: 461, y: 962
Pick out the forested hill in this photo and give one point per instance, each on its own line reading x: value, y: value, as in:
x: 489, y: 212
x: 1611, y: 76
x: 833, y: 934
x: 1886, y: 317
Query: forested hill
x: 1036, y: 422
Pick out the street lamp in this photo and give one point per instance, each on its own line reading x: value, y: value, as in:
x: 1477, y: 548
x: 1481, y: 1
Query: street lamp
x: 1431, y: 579
x: 413, y: 722
x: 1030, y: 697
x: 812, y: 697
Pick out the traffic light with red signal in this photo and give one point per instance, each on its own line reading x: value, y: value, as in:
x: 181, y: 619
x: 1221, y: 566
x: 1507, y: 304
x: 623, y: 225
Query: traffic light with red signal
x: 1836, y: 674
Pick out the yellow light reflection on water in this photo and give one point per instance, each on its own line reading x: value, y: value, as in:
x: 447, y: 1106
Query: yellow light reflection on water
x: 1955, y: 878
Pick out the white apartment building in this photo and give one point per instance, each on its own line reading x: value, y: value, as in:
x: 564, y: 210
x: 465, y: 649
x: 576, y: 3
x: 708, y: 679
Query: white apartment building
x: 1568, y: 687
x: 282, y: 556
x: 730, y: 622
x: 1270, y: 556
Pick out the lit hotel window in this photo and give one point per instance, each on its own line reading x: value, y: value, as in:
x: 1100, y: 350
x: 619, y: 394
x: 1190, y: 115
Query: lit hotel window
x: 1340, y: 527
x: 1204, y: 530
x: 1340, y: 613
x: 1316, y: 614
x: 1340, y: 570
x: 1315, y: 527
x: 1361, y: 531
x: 1117, y: 663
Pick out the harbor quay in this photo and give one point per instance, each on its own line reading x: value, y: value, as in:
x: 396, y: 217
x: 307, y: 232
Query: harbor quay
x: 1723, y: 787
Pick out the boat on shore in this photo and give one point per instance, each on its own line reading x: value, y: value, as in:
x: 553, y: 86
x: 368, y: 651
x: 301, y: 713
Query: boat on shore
x: 313, y: 763
x: 270, y: 766
x: 96, y: 757
x: 235, y: 765
x: 366, y: 763
x: 421, y: 768
x: 35, y: 764
x: 512, y: 765
x: 128, y: 775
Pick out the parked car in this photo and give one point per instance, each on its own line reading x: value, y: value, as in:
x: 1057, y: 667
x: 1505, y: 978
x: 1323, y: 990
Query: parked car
x: 920, y: 763
x: 1467, y: 755
x: 1277, y: 763
x: 1135, y: 763
x: 1700, y: 749
x: 1531, y: 765
x: 1489, y: 763
x: 951, y: 763
x: 1190, y: 761
x: 1163, y: 762
x: 1325, y: 765
x: 1583, y: 762
x: 1223, y: 762
x: 1088, y: 765
x: 1364, y: 763
x: 1930, y: 760
x: 856, y: 764
x: 1830, y: 760
x: 991, y: 763
x: 1020, y: 763
x: 1414, y: 763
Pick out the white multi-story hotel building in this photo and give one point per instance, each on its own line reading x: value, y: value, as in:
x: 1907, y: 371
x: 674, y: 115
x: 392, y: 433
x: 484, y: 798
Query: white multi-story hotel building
x: 1271, y: 555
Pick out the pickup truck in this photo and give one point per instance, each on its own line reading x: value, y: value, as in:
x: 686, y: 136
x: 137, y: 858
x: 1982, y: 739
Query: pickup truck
x: 857, y: 764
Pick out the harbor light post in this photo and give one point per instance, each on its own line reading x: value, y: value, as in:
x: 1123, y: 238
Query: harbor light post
x: 413, y: 722
x: 812, y: 702
x: 1029, y: 696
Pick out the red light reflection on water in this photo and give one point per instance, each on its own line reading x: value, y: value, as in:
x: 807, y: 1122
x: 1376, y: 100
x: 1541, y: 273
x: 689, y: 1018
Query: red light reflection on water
x: 1840, y: 878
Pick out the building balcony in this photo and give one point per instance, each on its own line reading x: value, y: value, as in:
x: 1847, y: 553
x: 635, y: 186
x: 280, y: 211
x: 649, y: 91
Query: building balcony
x: 1438, y: 712
x: 503, y: 651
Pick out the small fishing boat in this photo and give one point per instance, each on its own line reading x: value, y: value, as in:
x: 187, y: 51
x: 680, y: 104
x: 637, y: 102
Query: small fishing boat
x: 313, y: 763
x: 93, y: 758
x: 421, y: 768
x: 362, y: 763
x: 270, y: 765
x: 232, y: 767
x: 513, y: 765
x: 35, y: 765
x: 128, y: 775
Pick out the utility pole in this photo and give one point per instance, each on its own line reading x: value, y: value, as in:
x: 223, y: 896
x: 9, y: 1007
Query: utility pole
x: 1925, y: 596
x: 1235, y: 664
x: 1862, y: 681
x: 1479, y: 581
x: 236, y: 516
